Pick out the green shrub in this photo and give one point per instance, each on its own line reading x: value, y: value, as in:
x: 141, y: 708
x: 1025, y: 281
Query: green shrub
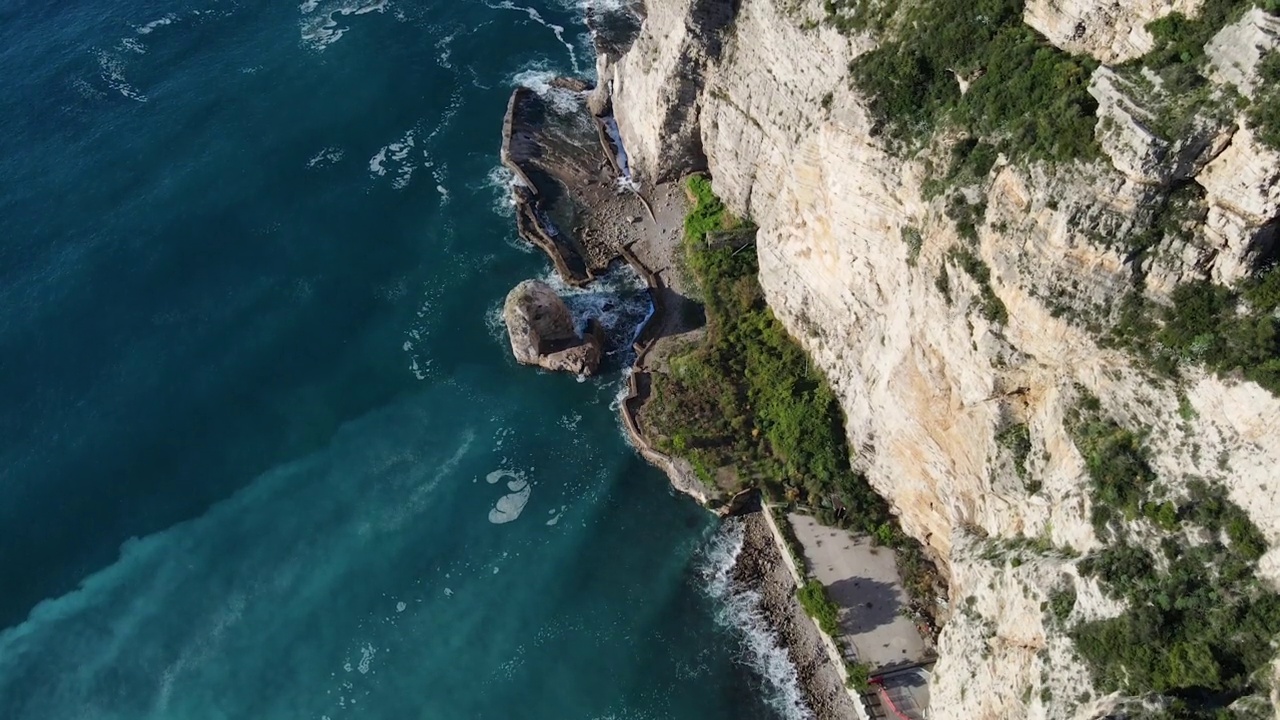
x: 1197, y: 625
x: 1026, y: 97
x: 1180, y: 41
x: 748, y: 398
x: 966, y: 216
x: 992, y: 306
x: 1264, y: 113
x: 1227, y: 329
x: 813, y: 598
x: 859, y: 676
x: 914, y: 242
x: 1062, y: 601
x: 1117, y: 466
x: 1016, y: 438
x: 850, y: 16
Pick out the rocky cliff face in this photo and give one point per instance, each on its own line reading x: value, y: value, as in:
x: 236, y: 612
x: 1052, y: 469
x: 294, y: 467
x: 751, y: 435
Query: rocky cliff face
x: 854, y: 256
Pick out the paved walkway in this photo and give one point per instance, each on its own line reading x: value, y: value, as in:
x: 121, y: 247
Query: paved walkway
x: 863, y: 580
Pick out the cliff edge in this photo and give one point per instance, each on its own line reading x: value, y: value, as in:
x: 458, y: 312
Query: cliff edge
x: 1031, y: 324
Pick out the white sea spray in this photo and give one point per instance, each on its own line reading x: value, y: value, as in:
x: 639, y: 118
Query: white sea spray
x: 740, y: 609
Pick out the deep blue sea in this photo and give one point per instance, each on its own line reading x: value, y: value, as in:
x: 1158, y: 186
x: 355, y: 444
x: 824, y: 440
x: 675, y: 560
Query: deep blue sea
x: 263, y: 449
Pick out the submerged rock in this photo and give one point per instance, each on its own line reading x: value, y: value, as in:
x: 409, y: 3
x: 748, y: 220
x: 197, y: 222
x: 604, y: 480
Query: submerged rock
x: 542, y: 331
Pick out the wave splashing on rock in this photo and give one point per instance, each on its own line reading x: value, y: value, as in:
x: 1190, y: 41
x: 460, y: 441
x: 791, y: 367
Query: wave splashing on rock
x: 742, y: 609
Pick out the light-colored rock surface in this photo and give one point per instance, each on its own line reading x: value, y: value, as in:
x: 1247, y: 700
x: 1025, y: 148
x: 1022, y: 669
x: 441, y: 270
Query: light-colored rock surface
x: 1135, y: 149
x: 1110, y: 30
x: 926, y: 382
x: 1235, y: 51
x: 542, y: 331
x: 1242, y: 188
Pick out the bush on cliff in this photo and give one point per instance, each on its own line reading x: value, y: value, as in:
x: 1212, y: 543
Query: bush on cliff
x: 1025, y: 96
x: 1198, y: 622
x: 1227, y: 330
x: 748, y: 397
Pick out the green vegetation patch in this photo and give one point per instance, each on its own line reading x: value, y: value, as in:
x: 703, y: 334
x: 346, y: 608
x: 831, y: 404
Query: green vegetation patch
x: 1062, y: 601
x: 1199, y: 623
x: 1264, y: 112
x: 1025, y: 97
x: 815, y: 601
x: 852, y: 16
x: 1117, y: 465
x: 1016, y: 438
x: 993, y: 308
x: 1226, y: 330
x: 1178, y: 58
x: 859, y: 676
x: 914, y: 241
x: 748, y: 398
x: 971, y: 161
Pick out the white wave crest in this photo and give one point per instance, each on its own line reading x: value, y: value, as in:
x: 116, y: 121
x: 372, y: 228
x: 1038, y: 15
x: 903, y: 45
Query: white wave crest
x: 599, y: 6
x: 111, y: 68
x: 740, y: 609
x: 501, y: 182
x: 395, y: 154
x: 538, y: 79
x: 326, y: 156
x: 319, y: 27
x: 148, y: 28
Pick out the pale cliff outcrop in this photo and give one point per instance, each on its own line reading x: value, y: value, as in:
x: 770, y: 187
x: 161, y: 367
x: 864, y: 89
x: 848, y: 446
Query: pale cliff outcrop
x: 1236, y: 50
x: 1110, y: 30
x: 925, y: 380
x: 1242, y: 189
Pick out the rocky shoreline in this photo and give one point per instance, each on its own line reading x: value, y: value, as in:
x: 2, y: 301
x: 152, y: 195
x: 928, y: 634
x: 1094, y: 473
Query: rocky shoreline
x: 568, y: 175
x: 574, y: 200
x: 760, y: 567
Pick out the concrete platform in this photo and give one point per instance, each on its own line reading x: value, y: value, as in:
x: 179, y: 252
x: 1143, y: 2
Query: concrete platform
x: 863, y: 580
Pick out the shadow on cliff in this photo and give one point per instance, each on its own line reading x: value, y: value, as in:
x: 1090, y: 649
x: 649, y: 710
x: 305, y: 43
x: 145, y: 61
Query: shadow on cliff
x: 682, y: 314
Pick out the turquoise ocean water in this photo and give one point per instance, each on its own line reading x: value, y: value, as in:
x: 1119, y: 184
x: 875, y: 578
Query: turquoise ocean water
x: 263, y: 451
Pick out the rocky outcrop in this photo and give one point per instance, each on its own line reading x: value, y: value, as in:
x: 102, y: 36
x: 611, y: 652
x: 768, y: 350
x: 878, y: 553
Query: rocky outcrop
x: 1235, y: 51
x: 543, y: 332
x: 926, y: 381
x: 1242, y: 190
x: 660, y: 80
x: 1135, y: 149
x: 1110, y: 30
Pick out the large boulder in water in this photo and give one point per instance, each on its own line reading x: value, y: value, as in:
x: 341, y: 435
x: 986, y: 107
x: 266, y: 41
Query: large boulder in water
x: 543, y: 333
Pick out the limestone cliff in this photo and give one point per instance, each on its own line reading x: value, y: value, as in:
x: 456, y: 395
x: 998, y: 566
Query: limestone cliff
x: 855, y: 259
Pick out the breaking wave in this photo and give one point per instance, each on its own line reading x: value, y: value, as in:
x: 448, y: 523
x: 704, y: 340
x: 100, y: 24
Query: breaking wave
x: 319, y: 25
x: 557, y: 30
x: 537, y: 77
x: 739, y: 608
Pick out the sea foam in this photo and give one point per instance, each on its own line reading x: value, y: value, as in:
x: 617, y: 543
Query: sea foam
x: 739, y: 609
x: 319, y: 27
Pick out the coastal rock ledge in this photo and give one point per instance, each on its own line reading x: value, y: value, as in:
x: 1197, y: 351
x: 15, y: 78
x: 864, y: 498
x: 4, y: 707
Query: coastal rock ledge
x: 542, y: 331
